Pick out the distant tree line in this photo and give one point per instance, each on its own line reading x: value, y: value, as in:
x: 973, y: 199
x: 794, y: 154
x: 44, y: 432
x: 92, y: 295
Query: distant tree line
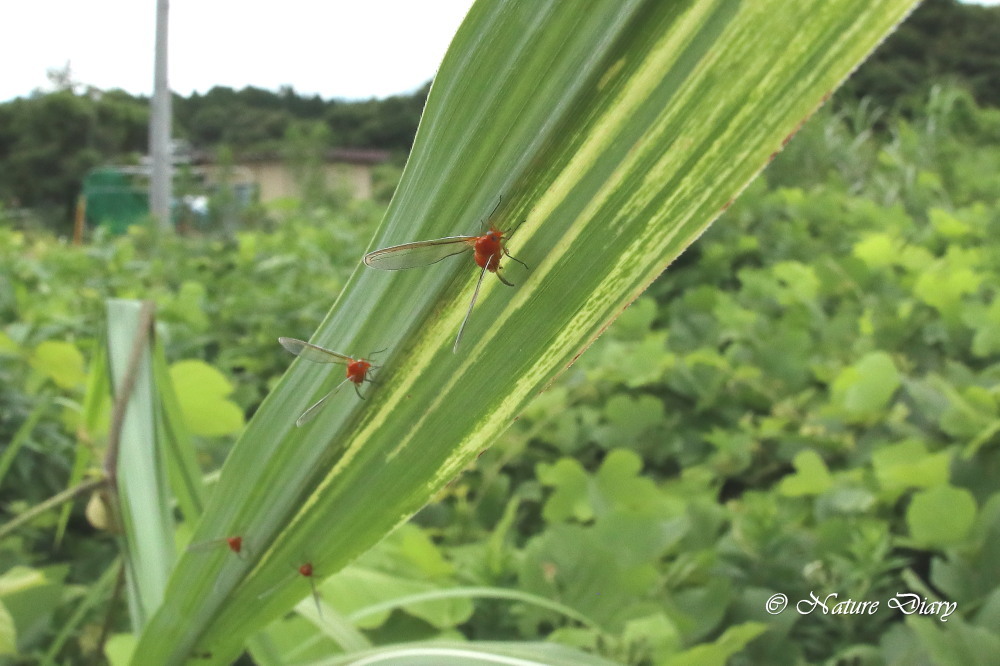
x: 256, y: 120
x: 943, y: 40
x: 49, y: 141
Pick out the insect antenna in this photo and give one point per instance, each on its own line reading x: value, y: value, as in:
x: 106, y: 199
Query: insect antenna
x: 482, y: 223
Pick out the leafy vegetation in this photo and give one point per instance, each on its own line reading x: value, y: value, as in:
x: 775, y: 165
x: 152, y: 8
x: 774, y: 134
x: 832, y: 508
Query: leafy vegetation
x: 48, y: 142
x: 943, y: 38
x: 805, y: 403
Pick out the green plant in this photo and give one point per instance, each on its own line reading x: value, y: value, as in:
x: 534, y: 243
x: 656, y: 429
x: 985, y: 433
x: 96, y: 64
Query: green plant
x: 616, y: 135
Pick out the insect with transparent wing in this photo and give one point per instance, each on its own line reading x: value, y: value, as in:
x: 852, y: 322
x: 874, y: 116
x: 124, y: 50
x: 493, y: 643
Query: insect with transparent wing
x: 306, y: 571
x: 233, y: 543
x: 488, y: 249
x: 357, y: 370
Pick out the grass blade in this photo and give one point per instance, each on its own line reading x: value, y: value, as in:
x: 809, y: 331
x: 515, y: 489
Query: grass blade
x: 615, y: 135
x: 142, y: 490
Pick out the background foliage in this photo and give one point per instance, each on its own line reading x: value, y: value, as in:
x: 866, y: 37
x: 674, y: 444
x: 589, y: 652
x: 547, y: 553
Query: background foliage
x: 805, y: 402
x: 48, y: 141
x: 803, y: 394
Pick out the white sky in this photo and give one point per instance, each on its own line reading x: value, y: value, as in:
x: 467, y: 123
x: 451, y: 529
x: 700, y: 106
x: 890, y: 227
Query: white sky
x: 335, y: 48
x: 350, y: 49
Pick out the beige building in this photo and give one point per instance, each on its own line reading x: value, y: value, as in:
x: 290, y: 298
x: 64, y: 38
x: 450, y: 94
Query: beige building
x: 345, y: 169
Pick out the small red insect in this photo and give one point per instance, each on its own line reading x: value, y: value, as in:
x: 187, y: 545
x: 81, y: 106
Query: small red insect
x: 306, y: 571
x: 488, y: 250
x: 234, y: 543
x: 357, y: 370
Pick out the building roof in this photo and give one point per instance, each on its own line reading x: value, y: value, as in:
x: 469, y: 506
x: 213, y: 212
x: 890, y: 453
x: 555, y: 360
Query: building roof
x: 340, y: 155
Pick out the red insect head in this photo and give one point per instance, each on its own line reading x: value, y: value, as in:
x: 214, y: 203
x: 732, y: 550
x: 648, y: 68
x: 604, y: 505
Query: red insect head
x: 356, y: 370
x: 489, y: 249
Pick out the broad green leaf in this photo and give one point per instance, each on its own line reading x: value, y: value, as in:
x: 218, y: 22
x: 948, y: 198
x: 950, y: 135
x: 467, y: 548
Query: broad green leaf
x: 862, y: 391
x: 119, y: 649
x: 948, y: 224
x: 799, y: 280
x: 61, y: 362
x: 568, y: 563
x: 909, y: 465
x: 201, y: 392
x: 410, y: 551
x: 32, y: 596
x: 189, y: 306
x: 718, y: 652
x: 570, y: 500
x: 944, y: 283
x: 354, y: 588
x: 986, y: 323
x: 619, y: 484
x: 656, y: 633
x: 811, y: 476
x: 612, y: 137
x: 970, y: 410
x: 627, y: 418
x: 941, y: 516
x: 878, y: 249
x: 972, y: 578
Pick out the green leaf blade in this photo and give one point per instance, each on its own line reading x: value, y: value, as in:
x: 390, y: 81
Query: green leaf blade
x: 615, y: 137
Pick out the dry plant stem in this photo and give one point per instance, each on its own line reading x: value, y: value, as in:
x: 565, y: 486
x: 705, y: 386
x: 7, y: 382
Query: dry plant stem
x: 124, y: 391
x: 51, y: 503
x: 118, y: 412
x: 114, y: 436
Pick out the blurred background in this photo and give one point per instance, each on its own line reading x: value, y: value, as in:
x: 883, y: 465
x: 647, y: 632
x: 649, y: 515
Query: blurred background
x: 812, y: 388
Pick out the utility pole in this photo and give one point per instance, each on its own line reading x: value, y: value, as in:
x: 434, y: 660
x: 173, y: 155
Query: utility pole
x: 159, y: 127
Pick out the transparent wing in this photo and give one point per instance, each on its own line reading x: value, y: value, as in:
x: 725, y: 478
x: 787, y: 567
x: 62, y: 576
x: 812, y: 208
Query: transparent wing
x: 311, y: 413
x: 312, y: 352
x: 421, y: 253
x: 211, y: 544
x: 240, y: 549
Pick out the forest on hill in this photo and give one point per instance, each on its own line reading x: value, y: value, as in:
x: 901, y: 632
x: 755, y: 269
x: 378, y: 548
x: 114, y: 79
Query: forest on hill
x: 49, y: 141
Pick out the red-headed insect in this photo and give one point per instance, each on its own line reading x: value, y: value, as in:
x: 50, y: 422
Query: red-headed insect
x: 234, y: 544
x: 488, y: 249
x: 357, y: 370
x: 306, y: 571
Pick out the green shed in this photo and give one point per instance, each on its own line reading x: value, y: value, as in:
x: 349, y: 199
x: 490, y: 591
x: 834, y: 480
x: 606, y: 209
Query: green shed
x: 114, y: 200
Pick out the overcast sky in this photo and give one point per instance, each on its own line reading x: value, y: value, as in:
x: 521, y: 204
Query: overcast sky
x: 335, y: 48
x: 351, y: 49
